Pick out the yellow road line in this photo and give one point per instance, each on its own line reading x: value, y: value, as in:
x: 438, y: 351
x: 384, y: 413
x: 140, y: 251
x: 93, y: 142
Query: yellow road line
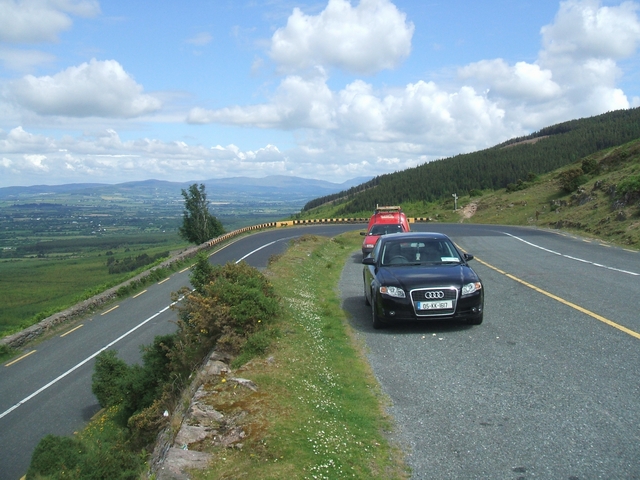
x: 185, y: 269
x: 110, y: 310
x: 72, y: 330
x: 162, y: 281
x: 138, y: 294
x: 563, y: 301
x: 20, y: 358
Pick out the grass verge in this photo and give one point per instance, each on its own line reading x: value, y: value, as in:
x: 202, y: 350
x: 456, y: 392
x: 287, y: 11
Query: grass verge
x: 318, y: 413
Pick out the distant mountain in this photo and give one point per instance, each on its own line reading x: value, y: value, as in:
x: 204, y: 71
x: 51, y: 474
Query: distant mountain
x: 271, y: 188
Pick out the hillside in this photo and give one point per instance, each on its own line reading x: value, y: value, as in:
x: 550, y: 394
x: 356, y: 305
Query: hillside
x: 597, y: 196
x: 494, y: 168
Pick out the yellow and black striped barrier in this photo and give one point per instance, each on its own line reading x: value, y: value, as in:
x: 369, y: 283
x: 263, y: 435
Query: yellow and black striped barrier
x: 291, y: 223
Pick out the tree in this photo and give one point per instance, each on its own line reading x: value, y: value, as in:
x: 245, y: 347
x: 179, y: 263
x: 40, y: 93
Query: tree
x: 198, y: 224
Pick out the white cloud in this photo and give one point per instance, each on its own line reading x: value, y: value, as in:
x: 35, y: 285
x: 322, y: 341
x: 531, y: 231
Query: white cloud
x: 364, y: 39
x: 32, y: 21
x: 584, y: 29
x: 576, y: 72
x: 524, y: 81
x: 297, y: 103
x: 24, y: 60
x: 94, y: 89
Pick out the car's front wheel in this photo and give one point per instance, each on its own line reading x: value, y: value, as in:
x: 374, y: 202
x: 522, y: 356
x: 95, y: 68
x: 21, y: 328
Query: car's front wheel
x: 375, y: 319
x: 366, y: 289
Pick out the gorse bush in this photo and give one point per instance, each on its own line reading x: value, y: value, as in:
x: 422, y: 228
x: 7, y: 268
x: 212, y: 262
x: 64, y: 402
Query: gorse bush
x: 228, y: 310
x: 229, y: 304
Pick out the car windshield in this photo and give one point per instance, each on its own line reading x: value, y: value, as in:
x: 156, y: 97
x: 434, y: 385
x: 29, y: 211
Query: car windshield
x: 385, y: 229
x: 432, y: 251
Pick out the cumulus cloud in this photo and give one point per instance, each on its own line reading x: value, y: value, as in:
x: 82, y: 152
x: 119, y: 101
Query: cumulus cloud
x: 105, y: 157
x: 24, y: 60
x: 576, y: 72
x: 523, y: 80
x: 33, y: 21
x: 584, y: 29
x: 297, y: 103
x: 365, y: 39
x: 94, y: 89
x: 339, y: 130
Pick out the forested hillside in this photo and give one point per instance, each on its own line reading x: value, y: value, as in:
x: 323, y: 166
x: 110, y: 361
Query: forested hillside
x: 493, y: 168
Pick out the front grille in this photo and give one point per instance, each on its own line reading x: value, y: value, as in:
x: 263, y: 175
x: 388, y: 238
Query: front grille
x: 434, y: 295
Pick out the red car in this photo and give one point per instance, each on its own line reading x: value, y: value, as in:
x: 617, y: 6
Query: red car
x: 384, y: 220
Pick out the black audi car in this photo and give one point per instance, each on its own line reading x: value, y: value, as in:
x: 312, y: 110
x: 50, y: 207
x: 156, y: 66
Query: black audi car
x: 421, y: 276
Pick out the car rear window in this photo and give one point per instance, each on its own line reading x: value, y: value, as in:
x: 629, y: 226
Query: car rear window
x: 385, y: 229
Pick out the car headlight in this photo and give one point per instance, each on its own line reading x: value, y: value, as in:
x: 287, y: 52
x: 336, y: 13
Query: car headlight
x: 393, y: 292
x: 470, y: 288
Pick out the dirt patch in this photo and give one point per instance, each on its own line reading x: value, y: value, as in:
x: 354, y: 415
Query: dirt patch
x: 468, y: 210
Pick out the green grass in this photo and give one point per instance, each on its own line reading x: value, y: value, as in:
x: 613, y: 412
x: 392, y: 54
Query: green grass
x: 33, y: 288
x: 317, y: 413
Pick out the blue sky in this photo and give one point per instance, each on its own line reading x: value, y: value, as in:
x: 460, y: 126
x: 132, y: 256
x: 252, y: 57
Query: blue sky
x: 117, y: 91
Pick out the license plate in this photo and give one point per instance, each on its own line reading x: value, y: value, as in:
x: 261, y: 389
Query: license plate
x: 441, y: 305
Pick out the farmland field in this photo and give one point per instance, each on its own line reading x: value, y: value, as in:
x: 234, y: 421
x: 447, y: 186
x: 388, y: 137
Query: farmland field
x: 59, y: 248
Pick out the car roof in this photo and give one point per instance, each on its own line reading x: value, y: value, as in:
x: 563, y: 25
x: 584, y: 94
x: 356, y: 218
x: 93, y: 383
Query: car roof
x: 414, y: 236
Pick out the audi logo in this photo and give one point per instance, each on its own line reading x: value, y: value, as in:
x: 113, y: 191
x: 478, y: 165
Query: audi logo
x: 434, y: 295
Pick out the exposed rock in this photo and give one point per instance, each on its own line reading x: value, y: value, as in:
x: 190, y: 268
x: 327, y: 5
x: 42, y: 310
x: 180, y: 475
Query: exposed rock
x: 189, y: 434
x: 215, y: 368
x: 245, y: 383
x: 203, y: 413
x: 178, y: 460
x: 200, y: 422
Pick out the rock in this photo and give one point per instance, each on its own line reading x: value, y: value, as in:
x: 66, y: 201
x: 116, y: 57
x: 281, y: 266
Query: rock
x: 203, y: 413
x: 245, y: 383
x: 215, y: 367
x: 189, y: 434
x: 178, y: 460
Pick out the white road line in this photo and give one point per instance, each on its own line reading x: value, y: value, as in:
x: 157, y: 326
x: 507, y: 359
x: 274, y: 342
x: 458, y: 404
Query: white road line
x: 574, y: 258
x: 256, y: 250
x: 56, y: 380
x: 71, y: 370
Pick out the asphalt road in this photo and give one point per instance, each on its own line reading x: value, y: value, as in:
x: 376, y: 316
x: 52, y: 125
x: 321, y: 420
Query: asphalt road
x: 544, y: 388
x: 547, y: 387
x: 47, y: 390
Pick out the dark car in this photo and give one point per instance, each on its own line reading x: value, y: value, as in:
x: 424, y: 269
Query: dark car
x: 421, y: 276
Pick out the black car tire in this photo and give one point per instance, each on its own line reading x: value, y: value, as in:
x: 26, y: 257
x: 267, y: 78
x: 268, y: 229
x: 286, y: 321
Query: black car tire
x: 375, y: 319
x: 366, y: 298
x: 475, y: 320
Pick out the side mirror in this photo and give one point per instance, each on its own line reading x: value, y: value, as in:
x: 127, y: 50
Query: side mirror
x: 468, y: 256
x: 368, y: 260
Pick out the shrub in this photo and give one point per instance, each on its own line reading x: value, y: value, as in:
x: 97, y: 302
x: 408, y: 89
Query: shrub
x: 590, y: 165
x: 55, y: 454
x: 571, y: 179
x: 105, y: 383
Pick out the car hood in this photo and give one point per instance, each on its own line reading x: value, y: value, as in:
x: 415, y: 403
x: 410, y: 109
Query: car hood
x: 417, y: 276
